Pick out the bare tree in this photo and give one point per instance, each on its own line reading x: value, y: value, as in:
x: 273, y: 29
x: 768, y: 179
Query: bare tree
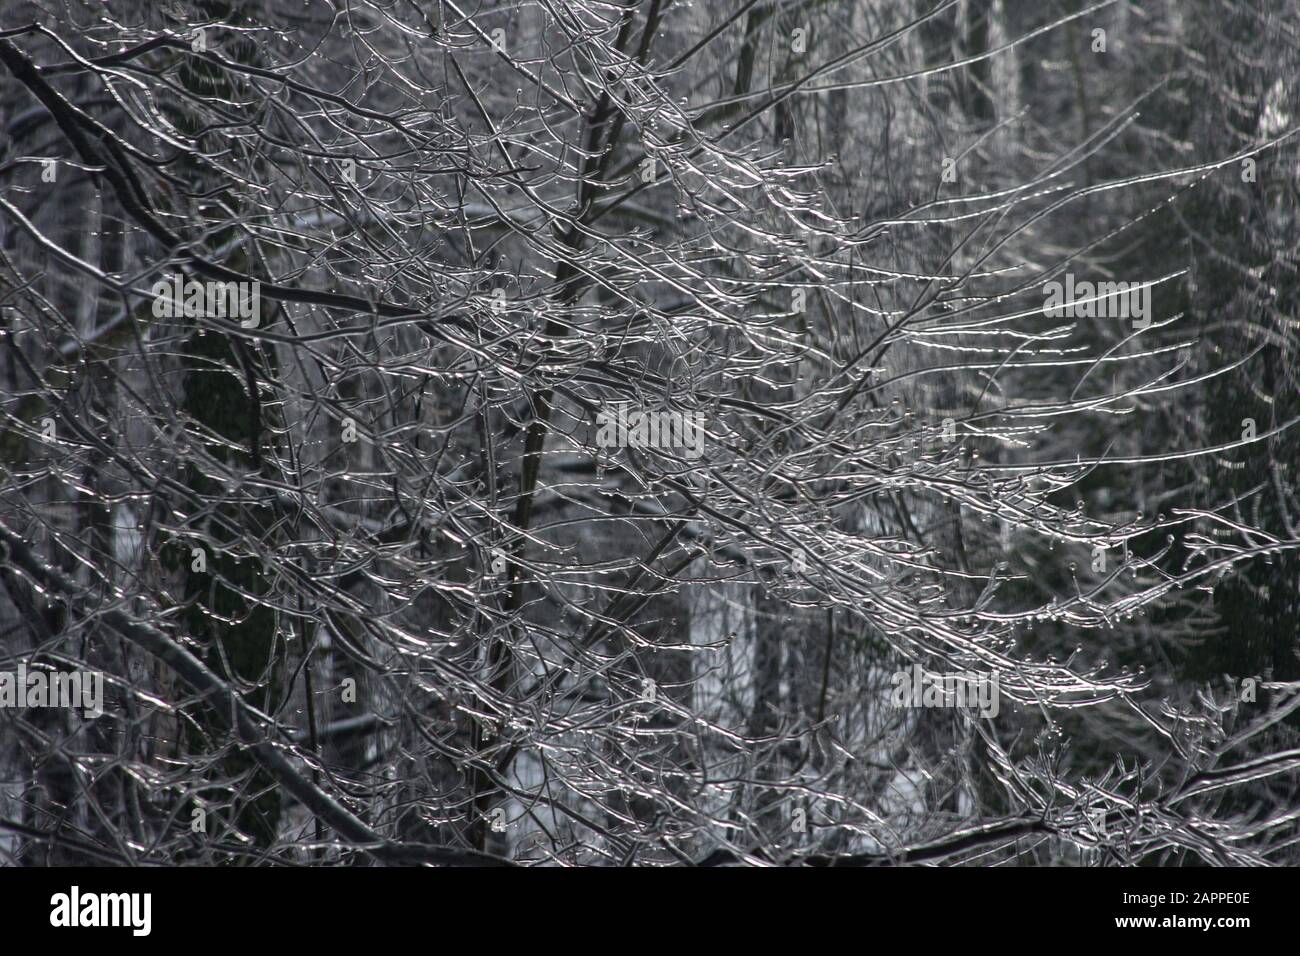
x: 555, y: 432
